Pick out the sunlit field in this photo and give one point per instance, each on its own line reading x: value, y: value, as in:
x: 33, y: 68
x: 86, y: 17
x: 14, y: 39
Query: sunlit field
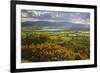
x: 45, y: 46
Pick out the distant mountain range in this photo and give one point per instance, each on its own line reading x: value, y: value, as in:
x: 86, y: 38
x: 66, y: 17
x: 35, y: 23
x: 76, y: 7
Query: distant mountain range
x: 65, y: 25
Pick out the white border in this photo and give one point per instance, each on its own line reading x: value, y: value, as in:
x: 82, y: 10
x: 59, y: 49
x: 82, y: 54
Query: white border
x: 20, y: 65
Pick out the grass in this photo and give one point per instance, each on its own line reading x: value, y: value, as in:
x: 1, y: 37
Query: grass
x: 55, y: 46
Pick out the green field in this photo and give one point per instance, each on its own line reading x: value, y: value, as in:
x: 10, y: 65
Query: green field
x: 44, y: 46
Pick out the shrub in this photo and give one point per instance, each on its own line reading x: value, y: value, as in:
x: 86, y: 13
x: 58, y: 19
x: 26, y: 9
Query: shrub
x: 49, y: 52
x: 26, y: 54
x: 36, y: 38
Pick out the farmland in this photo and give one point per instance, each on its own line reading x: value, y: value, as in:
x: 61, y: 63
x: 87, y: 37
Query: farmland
x: 44, y: 46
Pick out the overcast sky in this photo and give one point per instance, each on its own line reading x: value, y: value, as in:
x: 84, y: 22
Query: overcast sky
x: 73, y: 17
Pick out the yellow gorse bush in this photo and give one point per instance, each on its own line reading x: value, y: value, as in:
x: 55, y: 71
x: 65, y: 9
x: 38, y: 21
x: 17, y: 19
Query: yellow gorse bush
x: 49, y: 52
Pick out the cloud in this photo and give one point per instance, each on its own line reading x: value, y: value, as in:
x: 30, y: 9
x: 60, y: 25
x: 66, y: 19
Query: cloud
x: 55, y: 16
x: 83, y: 18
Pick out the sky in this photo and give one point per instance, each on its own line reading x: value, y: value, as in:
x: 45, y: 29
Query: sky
x: 55, y: 16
